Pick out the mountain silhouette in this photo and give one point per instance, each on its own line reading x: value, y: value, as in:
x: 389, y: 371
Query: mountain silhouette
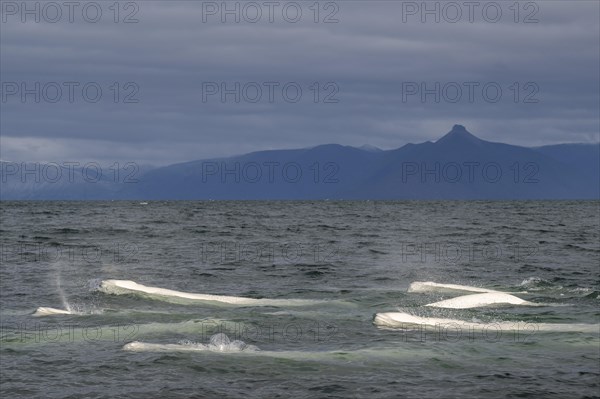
x: 459, y: 165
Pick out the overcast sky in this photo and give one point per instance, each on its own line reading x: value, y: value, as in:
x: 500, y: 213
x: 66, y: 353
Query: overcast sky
x: 370, y: 67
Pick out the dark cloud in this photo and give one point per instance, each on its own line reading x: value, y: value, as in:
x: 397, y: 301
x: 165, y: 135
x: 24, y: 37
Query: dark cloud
x: 369, y: 58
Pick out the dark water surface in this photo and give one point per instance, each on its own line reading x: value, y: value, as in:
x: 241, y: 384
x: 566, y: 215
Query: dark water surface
x: 359, y: 256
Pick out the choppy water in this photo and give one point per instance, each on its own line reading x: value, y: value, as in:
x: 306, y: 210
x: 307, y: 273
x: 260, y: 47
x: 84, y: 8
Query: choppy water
x: 359, y: 256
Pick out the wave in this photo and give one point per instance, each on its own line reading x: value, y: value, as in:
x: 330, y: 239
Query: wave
x: 540, y: 286
x: 533, y: 283
x: 123, y: 287
x: 402, y: 320
x: 593, y: 295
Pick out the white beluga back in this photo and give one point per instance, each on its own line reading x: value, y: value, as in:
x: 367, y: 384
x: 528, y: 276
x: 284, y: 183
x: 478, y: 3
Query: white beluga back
x: 218, y: 343
x: 430, y: 286
x: 401, y: 320
x: 121, y: 287
x: 45, y: 311
x: 480, y: 300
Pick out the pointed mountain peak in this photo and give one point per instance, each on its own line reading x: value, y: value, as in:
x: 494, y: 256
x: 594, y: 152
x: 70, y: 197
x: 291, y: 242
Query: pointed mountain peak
x: 459, y: 128
x: 458, y: 134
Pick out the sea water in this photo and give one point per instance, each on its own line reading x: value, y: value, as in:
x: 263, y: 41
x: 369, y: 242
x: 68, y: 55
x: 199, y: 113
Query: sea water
x: 347, y: 260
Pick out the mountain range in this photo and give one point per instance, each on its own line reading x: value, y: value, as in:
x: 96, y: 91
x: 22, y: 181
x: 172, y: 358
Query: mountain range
x: 457, y: 166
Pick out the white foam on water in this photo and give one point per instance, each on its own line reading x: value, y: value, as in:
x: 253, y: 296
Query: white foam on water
x: 404, y: 320
x: 481, y: 300
x: 430, y: 286
x: 120, y: 287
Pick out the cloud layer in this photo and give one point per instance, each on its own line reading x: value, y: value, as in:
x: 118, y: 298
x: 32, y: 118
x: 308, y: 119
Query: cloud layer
x: 379, y: 75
